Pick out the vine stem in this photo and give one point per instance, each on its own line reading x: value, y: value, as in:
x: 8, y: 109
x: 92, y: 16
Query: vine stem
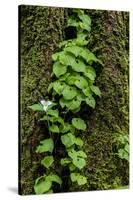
x: 48, y: 126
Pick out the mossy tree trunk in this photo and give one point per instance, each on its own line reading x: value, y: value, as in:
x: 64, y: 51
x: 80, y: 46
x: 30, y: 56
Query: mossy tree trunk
x: 41, y: 29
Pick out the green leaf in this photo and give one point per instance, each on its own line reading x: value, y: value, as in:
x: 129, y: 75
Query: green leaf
x: 74, y: 104
x: 91, y: 57
x: 79, y: 66
x: 81, y: 154
x: 64, y: 77
x: 36, y: 107
x: 76, y: 177
x: 64, y: 128
x: 123, y: 154
x: 54, y: 128
x: 77, y: 158
x: 87, y: 92
x: 86, y: 22
x: 78, y: 123
x: 74, y: 50
x: 49, y: 192
x: 81, y: 83
x: 84, y: 53
x: 91, y: 101
x: 79, y: 141
x: 68, y: 139
x: 54, y: 113
x: 66, y: 59
x: 45, y: 145
x: 41, y: 185
x: 59, y: 69
x: 69, y: 92
x: 90, y: 73
x: 54, y: 178
x: 65, y: 161
x: 55, y: 56
x: 79, y: 162
x: 126, y: 148
x: 47, y: 161
x: 72, y: 22
x: 58, y: 87
x: 72, y: 167
x: 71, y: 79
x: 96, y: 90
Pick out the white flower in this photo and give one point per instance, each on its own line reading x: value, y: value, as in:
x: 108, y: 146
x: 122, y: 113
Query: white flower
x: 46, y: 104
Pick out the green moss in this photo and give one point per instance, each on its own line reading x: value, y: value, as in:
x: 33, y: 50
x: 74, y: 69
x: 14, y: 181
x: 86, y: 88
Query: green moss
x: 41, y: 30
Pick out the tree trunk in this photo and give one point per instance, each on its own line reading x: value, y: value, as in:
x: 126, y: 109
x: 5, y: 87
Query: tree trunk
x: 41, y: 30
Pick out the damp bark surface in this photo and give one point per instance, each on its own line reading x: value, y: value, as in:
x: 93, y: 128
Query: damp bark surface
x: 41, y: 29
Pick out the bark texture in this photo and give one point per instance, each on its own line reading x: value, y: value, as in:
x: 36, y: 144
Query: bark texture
x: 41, y: 29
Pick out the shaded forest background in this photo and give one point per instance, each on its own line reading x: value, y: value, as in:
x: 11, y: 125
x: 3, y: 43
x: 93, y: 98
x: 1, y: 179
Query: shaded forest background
x: 41, y: 29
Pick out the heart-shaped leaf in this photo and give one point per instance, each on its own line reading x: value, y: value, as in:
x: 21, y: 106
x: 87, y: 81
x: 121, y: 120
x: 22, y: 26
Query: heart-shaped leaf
x: 90, y: 73
x: 69, y: 92
x: 47, y: 161
x: 59, y: 69
x: 91, y: 101
x: 45, y: 145
x: 81, y: 83
x: 76, y: 177
x: 54, y: 178
x: 79, y: 66
x: 54, y: 128
x: 96, y: 90
x: 79, y: 123
x: 58, y: 87
x: 41, y: 185
x: 54, y: 113
x: 65, y: 161
x: 36, y: 107
x: 68, y: 139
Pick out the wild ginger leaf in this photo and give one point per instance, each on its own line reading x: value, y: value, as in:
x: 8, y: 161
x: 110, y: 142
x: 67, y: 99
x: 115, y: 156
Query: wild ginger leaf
x: 91, y: 101
x: 47, y: 161
x: 54, y: 178
x: 86, y: 22
x: 36, y: 107
x: 74, y: 104
x: 79, y: 66
x: 69, y: 92
x: 54, y: 128
x: 41, y: 185
x: 81, y: 82
x: 68, y: 139
x: 87, y: 92
x: 79, y: 123
x: 79, y: 141
x: 79, y: 162
x: 77, y: 177
x: 66, y: 59
x: 59, y: 69
x: 58, y: 87
x: 45, y: 145
x: 54, y: 113
x: 74, y: 50
x: 90, y: 73
x: 65, y: 161
x: 96, y: 90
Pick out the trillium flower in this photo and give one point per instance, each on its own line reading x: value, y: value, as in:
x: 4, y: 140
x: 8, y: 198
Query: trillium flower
x: 46, y: 104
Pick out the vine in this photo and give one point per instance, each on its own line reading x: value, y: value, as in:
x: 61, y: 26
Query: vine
x: 73, y: 86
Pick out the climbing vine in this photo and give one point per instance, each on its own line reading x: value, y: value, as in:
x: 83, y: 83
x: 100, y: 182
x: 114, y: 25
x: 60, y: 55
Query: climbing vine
x: 73, y: 86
